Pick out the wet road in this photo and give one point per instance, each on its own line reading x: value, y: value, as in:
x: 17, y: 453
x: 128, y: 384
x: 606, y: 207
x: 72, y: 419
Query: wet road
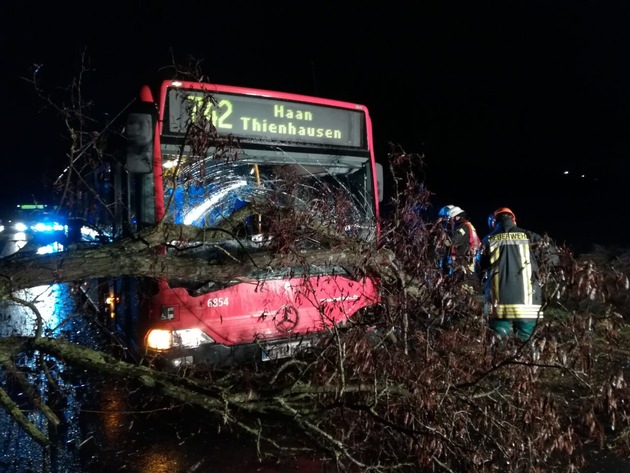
x: 104, y: 428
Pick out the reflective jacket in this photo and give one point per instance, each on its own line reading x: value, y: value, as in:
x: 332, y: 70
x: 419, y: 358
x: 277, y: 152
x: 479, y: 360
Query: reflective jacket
x: 508, y: 267
x: 464, y: 246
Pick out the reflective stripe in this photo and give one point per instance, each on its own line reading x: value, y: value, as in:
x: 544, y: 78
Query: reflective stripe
x: 494, y: 256
x: 526, y: 274
x: 517, y: 311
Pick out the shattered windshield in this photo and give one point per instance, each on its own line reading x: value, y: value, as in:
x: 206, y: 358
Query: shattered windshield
x: 334, y: 190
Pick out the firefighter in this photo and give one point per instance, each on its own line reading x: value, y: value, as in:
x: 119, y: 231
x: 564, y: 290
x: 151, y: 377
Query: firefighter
x: 507, y: 266
x: 462, y: 241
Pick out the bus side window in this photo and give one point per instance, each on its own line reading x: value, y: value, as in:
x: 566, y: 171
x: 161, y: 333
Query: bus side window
x: 139, y: 133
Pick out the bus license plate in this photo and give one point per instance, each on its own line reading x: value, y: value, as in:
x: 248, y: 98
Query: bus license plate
x: 283, y: 350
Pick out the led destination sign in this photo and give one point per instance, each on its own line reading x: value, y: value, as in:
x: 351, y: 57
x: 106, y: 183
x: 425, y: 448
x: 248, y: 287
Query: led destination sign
x: 265, y: 119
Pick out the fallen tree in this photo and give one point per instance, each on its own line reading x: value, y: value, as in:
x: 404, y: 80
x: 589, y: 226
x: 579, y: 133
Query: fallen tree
x: 141, y: 256
x: 419, y: 385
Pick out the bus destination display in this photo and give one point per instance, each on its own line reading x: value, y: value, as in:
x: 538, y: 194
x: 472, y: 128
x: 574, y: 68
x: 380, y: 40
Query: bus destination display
x: 265, y: 119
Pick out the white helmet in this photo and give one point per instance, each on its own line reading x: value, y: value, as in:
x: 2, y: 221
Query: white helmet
x: 450, y: 211
x: 455, y: 211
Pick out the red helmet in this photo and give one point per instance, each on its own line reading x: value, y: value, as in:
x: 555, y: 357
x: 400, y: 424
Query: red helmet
x: 504, y: 210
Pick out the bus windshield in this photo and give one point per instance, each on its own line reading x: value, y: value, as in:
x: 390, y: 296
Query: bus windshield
x: 332, y: 191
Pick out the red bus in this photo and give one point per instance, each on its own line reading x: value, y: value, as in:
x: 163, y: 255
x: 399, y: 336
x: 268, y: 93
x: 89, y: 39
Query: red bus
x: 311, y: 155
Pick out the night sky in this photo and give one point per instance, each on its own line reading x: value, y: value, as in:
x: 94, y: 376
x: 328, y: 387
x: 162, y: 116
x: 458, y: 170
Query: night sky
x: 502, y: 98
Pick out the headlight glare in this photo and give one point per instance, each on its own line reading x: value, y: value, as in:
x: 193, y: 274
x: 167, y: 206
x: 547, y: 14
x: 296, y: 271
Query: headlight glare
x: 190, y: 338
x: 160, y: 339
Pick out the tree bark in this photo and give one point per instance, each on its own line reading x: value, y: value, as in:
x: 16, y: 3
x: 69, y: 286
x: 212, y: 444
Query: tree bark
x: 142, y: 256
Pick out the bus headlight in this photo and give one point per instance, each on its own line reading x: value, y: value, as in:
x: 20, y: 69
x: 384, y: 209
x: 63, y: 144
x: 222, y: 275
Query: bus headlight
x: 158, y: 339
x: 190, y: 338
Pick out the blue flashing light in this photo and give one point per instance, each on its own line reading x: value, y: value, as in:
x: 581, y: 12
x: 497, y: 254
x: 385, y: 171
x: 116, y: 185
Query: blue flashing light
x: 48, y: 227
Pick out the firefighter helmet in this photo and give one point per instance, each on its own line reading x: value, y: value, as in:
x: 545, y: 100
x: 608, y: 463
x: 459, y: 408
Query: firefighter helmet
x: 504, y: 210
x: 455, y: 211
x: 445, y: 212
x: 450, y: 211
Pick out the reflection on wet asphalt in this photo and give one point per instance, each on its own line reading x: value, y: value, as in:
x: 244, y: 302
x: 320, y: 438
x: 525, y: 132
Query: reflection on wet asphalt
x: 103, y: 428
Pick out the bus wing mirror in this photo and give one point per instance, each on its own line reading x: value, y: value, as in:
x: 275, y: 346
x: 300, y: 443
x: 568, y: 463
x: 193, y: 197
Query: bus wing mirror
x: 139, y: 132
x: 380, y: 181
